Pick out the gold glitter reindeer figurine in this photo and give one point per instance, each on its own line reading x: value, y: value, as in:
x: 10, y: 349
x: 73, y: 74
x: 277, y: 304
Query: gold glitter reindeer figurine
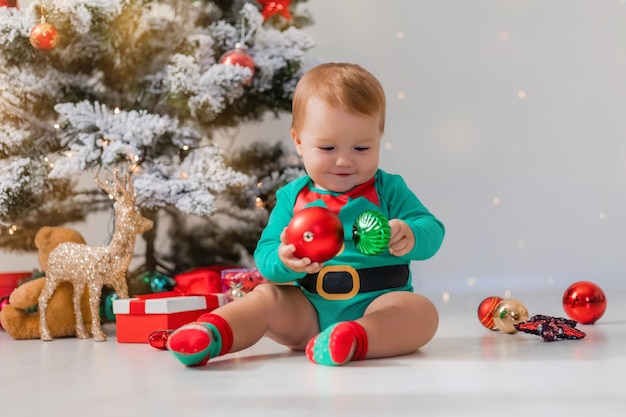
x: 96, y: 266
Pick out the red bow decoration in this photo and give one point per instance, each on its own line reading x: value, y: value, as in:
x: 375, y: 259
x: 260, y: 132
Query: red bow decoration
x: 205, y: 280
x: 272, y: 7
x: 200, y: 281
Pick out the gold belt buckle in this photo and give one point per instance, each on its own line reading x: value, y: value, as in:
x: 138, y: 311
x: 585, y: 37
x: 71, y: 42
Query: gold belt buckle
x: 356, y: 282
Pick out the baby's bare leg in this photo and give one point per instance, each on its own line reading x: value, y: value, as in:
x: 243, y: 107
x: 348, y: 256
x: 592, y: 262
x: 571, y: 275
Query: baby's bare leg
x: 394, y: 324
x: 397, y: 323
x: 280, y: 312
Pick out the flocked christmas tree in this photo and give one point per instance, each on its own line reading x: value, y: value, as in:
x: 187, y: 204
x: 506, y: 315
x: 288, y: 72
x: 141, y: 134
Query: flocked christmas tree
x: 143, y: 85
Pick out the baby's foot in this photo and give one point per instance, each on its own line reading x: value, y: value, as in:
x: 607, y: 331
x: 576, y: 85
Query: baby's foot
x: 338, y: 344
x: 194, y: 344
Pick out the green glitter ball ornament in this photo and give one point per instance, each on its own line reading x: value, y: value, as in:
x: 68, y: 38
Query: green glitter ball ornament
x: 371, y: 232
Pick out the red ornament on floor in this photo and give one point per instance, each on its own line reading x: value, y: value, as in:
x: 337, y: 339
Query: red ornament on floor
x: 584, y: 302
x: 158, y: 339
x: 239, y: 56
x: 44, y: 36
x: 485, y: 311
x: 316, y: 232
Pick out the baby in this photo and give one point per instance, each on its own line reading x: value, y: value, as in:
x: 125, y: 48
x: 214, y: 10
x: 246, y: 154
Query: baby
x: 353, y: 306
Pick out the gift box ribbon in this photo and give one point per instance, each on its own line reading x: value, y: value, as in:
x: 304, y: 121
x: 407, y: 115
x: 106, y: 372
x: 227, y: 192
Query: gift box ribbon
x: 167, y: 305
x: 198, y: 289
x: 163, y: 303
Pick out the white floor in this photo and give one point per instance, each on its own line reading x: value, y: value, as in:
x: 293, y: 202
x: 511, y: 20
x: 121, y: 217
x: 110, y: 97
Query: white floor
x: 465, y: 371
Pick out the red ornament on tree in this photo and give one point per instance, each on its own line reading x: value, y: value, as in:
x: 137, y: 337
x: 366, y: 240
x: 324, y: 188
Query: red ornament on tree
x: 584, y: 302
x: 316, y: 232
x: 273, y: 7
x: 239, y: 56
x: 44, y: 36
x: 486, y: 309
x: 9, y: 3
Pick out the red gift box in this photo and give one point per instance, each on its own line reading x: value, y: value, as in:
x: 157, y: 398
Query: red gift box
x: 137, y: 317
x: 10, y: 280
x: 197, y: 291
x: 202, y: 280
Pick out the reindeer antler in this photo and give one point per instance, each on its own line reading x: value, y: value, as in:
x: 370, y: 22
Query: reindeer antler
x: 105, y: 184
x: 126, y: 188
x: 120, y: 187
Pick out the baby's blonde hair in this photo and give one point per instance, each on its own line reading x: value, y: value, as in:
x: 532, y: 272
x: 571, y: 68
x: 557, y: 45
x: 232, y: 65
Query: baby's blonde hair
x: 339, y: 84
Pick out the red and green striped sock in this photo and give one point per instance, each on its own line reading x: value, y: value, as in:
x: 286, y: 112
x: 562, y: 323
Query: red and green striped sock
x: 338, y: 344
x: 195, y: 343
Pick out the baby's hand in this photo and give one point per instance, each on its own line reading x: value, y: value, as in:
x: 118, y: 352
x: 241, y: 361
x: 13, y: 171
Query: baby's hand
x: 402, y: 239
x: 287, y: 256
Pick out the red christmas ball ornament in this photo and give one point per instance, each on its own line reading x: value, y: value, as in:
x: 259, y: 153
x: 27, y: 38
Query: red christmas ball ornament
x: 316, y: 232
x: 486, y: 309
x: 158, y: 339
x: 240, y: 57
x: 584, y: 302
x: 9, y: 3
x: 44, y: 36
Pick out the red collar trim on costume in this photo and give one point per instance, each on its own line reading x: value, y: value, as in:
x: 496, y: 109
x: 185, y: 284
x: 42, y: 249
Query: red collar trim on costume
x: 336, y: 202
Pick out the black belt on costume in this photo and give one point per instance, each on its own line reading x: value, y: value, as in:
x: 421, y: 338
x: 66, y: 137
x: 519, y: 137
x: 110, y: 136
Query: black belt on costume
x: 342, y: 281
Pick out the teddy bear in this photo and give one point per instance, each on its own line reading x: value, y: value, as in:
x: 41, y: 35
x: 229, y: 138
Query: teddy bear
x: 20, y: 317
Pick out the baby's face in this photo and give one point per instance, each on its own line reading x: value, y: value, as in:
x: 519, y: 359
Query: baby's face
x: 339, y: 148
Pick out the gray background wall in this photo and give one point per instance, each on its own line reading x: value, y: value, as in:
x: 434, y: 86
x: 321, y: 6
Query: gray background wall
x: 507, y: 118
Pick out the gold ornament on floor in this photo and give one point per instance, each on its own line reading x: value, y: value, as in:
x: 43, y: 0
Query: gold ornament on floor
x: 96, y: 266
x: 508, y: 313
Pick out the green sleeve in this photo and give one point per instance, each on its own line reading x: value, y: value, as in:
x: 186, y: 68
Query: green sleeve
x: 266, y: 254
x: 403, y: 204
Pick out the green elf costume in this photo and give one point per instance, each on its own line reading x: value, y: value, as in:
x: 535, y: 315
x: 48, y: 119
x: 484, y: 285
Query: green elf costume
x: 350, y: 281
